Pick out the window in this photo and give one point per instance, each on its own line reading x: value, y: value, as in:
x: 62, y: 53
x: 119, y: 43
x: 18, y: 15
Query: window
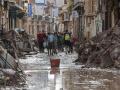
x: 38, y: 28
x: 33, y: 29
x: 65, y: 1
x: 88, y: 21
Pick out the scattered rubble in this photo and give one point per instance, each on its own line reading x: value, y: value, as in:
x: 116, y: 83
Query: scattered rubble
x: 17, y: 41
x: 13, y: 45
x: 101, y: 51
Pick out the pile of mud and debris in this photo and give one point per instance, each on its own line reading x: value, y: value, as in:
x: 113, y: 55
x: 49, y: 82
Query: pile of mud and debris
x: 17, y: 42
x: 13, y: 44
x: 102, y: 50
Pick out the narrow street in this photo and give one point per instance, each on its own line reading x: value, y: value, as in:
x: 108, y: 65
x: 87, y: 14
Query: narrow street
x: 81, y: 36
x: 40, y: 76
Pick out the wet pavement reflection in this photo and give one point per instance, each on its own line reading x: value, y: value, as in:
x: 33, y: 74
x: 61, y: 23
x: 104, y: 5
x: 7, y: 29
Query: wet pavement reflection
x: 40, y: 75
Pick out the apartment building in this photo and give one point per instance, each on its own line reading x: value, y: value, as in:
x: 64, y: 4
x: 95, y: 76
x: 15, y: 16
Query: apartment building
x: 100, y: 15
x: 78, y: 18
x: 44, y: 17
x: 33, y: 21
x: 65, y: 18
x: 11, y: 14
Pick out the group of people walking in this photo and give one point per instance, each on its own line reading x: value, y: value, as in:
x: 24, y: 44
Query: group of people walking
x: 55, y: 42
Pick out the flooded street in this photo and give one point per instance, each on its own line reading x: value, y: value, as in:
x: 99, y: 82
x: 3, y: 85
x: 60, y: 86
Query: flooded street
x: 81, y: 36
x: 40, y: 75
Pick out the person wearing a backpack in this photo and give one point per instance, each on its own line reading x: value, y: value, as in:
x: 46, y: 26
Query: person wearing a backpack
x: 67, y: 39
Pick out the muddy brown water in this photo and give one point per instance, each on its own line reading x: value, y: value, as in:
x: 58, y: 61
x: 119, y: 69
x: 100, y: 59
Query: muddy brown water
x: 40, y: 75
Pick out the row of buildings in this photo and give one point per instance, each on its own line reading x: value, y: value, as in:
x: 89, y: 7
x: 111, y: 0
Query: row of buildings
x: 86, y: 18
x: 89, y: 17
x: 31, y: 15
x: 45, y: 16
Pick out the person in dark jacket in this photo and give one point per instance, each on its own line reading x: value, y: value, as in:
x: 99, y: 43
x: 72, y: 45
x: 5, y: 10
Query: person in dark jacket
x: 41, y: 37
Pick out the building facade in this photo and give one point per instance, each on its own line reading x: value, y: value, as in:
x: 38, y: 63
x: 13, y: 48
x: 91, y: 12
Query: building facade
x: 78, y: 18
x: 11, y: 14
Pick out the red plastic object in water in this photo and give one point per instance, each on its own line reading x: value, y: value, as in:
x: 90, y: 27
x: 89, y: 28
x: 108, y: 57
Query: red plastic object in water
x: 54, y: 70
x: 55, y: 62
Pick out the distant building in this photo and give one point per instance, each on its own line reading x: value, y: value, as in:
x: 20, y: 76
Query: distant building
x: 33, y: 23
x: 11, y: 14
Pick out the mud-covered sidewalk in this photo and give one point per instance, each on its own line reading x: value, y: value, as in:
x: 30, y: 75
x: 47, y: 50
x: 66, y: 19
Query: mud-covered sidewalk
x: 40, y: 76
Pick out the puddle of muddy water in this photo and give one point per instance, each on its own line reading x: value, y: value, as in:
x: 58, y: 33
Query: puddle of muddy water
x: 90, y: 80
x: 40, y: 76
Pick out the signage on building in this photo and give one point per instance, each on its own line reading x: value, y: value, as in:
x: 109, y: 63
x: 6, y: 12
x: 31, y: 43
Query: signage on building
x: 41, y: 2
x: 29, y: 9
x: 75, y: 14
x: 66, y: 16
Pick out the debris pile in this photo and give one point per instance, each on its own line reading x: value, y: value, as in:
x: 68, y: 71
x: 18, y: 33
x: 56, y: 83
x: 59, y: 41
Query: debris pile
x: 101, y: 51
x: 16, y: 42
x: 10, y: 77
x: 13, y: 44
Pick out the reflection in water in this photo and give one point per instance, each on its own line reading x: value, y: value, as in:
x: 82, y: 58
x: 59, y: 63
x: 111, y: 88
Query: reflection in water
x: 90, y: 80
x: 55, y: 73
x: 40, y: 76
x: 44, y: 79
x: 37, y: 80
x: 73, y: 79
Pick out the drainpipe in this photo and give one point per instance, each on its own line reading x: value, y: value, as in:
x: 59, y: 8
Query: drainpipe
x: 81, y: 21
x: 1, y: 22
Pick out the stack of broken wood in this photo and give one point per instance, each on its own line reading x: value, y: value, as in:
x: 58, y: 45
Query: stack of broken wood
x: 102, y: 50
